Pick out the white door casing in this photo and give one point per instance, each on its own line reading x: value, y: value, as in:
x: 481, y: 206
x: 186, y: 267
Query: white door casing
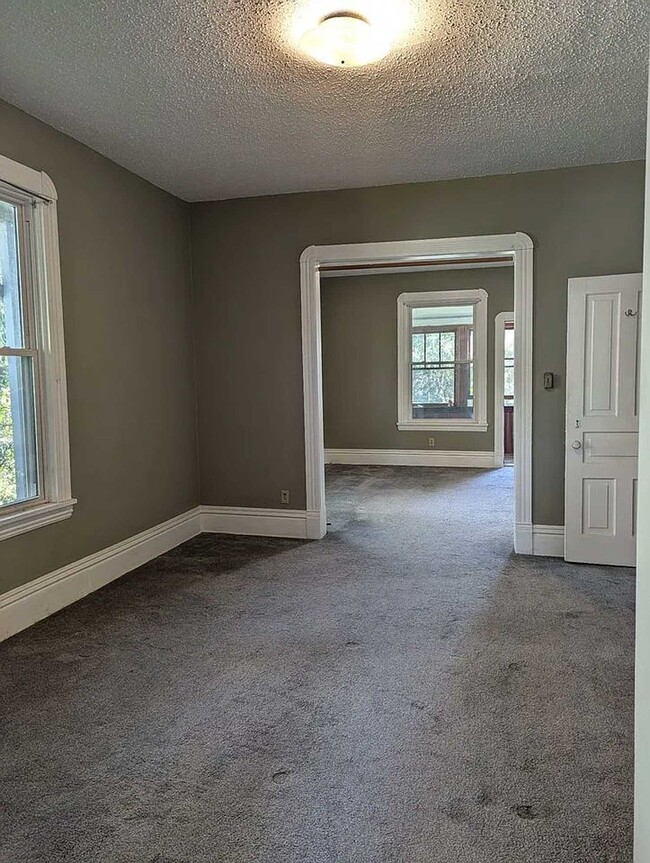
x: 516, y: 248
x: 602, y: 421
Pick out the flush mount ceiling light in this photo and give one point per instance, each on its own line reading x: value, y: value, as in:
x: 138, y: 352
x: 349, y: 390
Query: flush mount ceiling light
x: 345, y: 39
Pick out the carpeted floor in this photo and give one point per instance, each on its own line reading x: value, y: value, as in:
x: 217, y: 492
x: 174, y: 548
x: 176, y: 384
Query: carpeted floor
x: 406, y: 690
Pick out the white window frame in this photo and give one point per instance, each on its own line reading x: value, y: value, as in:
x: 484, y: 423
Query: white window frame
x: 55, y: 501
x: 434, y: 299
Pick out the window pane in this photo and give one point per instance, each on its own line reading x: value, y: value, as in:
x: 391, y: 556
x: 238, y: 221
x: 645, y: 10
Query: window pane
x: 18, y: 462
x: 509, y: 383
x: 509, y: 345
x: 443, y: 317
x: 418, y: 347
x: 433, y: 347
x: 433, y: 386
x: 10, y: 311
x: 444, y: 392
x: 448, y: 346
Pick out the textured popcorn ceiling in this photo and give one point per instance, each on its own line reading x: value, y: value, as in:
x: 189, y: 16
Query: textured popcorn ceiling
x: 210, y: 99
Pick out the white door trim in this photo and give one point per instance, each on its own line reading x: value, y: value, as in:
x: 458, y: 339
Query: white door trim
x: 517, y: 248
x: 500, y: 322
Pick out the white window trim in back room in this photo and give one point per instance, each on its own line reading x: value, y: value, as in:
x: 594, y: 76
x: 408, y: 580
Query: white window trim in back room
x: 432, y: 299
x: 54, y: 502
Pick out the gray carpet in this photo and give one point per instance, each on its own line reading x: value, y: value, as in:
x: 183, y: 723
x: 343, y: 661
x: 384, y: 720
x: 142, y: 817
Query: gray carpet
x: 406, y: 690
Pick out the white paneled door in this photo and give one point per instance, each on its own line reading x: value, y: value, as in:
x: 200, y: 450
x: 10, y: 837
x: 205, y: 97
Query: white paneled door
x: 602, y: 419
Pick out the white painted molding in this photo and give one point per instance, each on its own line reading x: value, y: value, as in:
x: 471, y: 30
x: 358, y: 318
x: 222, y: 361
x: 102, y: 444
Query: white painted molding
x: 543, y: 540
x: 406, y: 302
x: 25, y: 605
x: 524, y: 538
x: 418, y: 457
x: 29, y: 180
x: 20, y: 521
x: 36, y: 600
x: 443, y: 425
x: 424, y: 268
x: 548, y: 540
x: 247, y: 521
x: 516, y: 248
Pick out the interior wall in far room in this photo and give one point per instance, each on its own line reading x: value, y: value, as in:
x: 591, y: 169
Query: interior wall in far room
x: 359, y: 334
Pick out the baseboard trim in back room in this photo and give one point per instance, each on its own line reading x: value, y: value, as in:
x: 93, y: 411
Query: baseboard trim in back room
x: 406, y: 457
x: 31, y: 602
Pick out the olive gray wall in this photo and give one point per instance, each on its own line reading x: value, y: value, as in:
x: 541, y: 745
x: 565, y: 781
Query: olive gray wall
x: 359, y: 332
x: 583, y: 221
x: 126, y: 298
x: 128, y: 325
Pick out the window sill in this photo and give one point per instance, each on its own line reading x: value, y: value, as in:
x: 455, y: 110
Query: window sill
x: 443, y: 425
x: 39, y: 515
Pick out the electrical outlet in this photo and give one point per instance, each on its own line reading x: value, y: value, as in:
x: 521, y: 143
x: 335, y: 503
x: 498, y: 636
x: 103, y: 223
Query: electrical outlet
x: 432, y: 441
x: 284, y: 496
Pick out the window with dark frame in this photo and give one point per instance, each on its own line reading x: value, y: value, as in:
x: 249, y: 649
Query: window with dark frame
x: 509, y: 365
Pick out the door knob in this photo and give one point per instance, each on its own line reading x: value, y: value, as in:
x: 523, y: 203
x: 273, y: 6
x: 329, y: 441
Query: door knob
x: 576, y: 444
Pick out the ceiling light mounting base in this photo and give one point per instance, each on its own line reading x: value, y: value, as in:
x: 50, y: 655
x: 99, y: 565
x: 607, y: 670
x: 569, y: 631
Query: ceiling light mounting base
x: 345, y: 39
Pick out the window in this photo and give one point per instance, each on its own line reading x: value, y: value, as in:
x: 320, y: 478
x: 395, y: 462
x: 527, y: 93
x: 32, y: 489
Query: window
x: 509, y: 365
x: 34, y: 452
x: 442, y: 352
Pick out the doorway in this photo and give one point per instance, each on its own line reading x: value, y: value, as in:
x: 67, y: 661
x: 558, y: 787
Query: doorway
x: 418, y: 254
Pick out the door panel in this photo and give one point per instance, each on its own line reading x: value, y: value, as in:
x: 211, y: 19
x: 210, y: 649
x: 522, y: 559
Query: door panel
x: 602, y: 354
x: 598, y: 506
x: 600, y: 446
x: 602, y: 421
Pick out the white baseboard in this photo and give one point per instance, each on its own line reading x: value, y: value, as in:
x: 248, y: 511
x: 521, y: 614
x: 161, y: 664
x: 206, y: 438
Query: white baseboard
x: 548, y: 540
x: 246, y: 521
x: 545, y: 540
x: 25, y: 605
x: 405, y: 457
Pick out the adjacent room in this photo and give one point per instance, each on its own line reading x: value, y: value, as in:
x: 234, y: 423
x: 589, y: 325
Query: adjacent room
x: 416, y: 373
x: 324, y: 432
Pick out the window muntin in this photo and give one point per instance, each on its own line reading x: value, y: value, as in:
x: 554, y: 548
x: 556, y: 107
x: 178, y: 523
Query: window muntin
x: 19, y: 467
x: 442, y: 356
